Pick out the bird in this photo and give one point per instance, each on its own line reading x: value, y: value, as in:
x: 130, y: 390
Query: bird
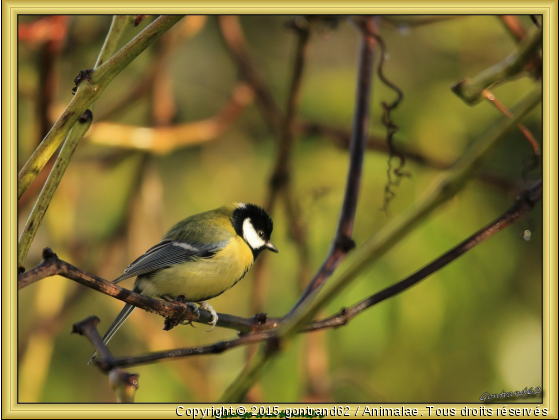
x: 199, y: 258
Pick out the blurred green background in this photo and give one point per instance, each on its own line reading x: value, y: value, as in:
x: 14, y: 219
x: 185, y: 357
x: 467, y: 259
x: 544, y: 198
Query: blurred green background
x: 472, y: 327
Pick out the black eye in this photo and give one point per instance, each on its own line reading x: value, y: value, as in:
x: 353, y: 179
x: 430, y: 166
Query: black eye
x: 260, y: 233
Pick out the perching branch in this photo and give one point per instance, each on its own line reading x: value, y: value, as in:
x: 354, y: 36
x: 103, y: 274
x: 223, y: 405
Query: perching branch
x: 88, y: 91
x: 174, y: 311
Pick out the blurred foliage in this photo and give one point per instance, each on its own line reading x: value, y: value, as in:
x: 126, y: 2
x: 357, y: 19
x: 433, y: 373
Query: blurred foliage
x: 472, y: 327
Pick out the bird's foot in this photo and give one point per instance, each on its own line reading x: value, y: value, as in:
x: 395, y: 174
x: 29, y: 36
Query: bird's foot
x: 194, y: 310
x: 169, y: 322
x: 206, y: 306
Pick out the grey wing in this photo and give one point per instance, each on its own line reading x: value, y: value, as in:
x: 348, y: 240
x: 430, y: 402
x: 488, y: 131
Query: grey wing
x: 168, y: 253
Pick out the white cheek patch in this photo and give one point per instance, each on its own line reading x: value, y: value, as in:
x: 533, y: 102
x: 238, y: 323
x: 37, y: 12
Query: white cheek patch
x: 251, y: 235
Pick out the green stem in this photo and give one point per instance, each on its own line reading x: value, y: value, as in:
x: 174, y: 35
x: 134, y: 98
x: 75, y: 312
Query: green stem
x: 118, y: 26
x: 89, y: 91
x: 470, y: 90
x: 47, y: 193
x: 445, y: 187
x: 238, y: 388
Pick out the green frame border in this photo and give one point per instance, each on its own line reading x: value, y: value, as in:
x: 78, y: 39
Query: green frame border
x: 10, y: 11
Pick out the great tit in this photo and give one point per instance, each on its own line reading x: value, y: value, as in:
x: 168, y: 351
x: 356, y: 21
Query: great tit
x: 200, y: 258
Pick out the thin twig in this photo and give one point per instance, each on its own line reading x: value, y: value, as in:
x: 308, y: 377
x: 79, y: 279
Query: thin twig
x: 514, y: 26
x: 524, y: 130
x: 523, y: 205
x: 123, y: 383
x: 392, y: 129
x: 232, y: 35
x: 342, y: 242
x: 49, y: 50
x: 280, y: 183
x: 88, y: 91
x: 165, y: 139
x: 282, y: 166
x: 341, y: 138
x: 413, y: 21
x: 116, y: 31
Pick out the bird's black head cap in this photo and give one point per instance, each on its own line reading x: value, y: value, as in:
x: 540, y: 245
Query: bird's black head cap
x: 254, y: 225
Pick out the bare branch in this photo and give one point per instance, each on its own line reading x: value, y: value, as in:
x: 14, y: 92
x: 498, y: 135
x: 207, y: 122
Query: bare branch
x: 165, y: 139
x: 514, y: 26
x: 123, y: 383
x: 487, y: 94
x: 343, y: 242
x: 174, y: 311
x: 523, y: 205
x: 341, y: 138
x: 232, y: 35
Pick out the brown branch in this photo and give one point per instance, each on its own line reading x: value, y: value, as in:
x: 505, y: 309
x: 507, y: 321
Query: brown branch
x: 518, y: 32
x: 120, y: 104
x: 186, y: 29
x: 215, y: 348
x: 281, y: 173
x: 165, y: 139
x: 487, y: 94
x: 413, y: 21
x: 174, y: 311
x: 513, y: 26
x: 341, y: 138
x: 523, y: 205
x: 123, y: 383
x: 88, y: 328
x: 49, y: 50
x: 280, y: 181
x: 234, y: 40
x: 343, y: 242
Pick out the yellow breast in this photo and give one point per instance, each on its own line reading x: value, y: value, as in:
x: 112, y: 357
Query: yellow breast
x: 202, y: 278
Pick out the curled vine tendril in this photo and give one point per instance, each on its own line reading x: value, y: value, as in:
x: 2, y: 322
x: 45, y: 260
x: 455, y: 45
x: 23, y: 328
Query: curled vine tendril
x: 394, y: 173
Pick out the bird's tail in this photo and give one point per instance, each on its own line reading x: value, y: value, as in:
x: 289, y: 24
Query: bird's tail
x: 119, y: 320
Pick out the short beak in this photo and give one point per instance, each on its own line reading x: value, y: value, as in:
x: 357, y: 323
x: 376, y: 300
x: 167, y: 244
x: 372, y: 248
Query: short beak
x: 270, y: 246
